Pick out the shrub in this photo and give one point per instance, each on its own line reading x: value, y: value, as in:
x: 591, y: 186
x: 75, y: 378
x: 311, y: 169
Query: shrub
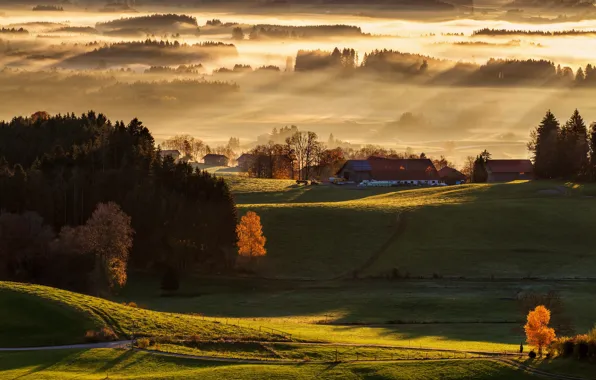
x: 105, y: 334
x: 580, y: 348
x: 143, y: 342
x: 194, y: 341
x: 532, y: 354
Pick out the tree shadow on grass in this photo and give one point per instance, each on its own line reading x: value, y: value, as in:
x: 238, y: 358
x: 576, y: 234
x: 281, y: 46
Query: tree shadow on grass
x: 123, y: 356
x: 61, y: 358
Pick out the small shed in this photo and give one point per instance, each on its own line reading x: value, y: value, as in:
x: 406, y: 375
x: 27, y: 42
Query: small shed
x: 244, y: 161
x: 452, y: 176
x: 356, y: 170
x: 509, y: 170
x: 216, y: 160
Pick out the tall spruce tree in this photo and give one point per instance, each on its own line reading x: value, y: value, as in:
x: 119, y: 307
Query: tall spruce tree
x: 592, y: 169
x: 479, y: 174
x: 574, y: 147
x: 580, y: 77
x: 544, y: 146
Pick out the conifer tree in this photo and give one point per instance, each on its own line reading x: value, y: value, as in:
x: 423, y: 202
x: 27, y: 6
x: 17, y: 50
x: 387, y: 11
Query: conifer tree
x: 580, y: 77
x: 574, y: 147
x: 543, y: 146
x: 479, y: 174
x: 592, y: 169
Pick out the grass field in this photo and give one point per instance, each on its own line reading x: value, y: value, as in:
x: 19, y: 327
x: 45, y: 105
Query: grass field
x: 117, y: 364
x: 37, y: 315
x: 463, y: 255
x: 516, y: 230
x: 305, y: 352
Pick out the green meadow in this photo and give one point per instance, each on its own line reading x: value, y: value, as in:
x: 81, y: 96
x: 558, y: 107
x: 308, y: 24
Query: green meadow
x: 350, y: 273
x: 118, y: 364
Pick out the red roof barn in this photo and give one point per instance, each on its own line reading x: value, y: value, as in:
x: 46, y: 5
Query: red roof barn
x: 509, y: 170
x: 389, y: 169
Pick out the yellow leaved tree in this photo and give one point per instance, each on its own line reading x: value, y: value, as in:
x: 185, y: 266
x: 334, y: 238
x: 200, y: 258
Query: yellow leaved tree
x: 251, y: 242
x: 537, y: 331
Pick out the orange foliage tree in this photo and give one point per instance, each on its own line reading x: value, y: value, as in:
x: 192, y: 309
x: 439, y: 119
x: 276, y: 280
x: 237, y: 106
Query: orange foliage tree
x: 537, y: 331
x: 251, y: 242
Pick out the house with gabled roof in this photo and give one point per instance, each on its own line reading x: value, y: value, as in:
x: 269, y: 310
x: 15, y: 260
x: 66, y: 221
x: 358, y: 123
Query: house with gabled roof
x: 216, y: 160
x: 403, y: 171
x: 451, y: 176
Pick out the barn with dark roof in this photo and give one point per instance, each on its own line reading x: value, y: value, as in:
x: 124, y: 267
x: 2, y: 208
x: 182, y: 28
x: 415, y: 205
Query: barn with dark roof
x: 509, y: 170
x: 405, y: 171
x: 356, y: 170
x: 452, y: 176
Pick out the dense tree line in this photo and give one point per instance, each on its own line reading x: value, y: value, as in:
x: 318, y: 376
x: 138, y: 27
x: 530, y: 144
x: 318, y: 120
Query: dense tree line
x: 567, y: 151
x: 14, y: 31
x: 153, y: 22
x: 218, y: 22
x: 150, y: 52
x: 397, y: 62
x: 77, y: 29
x: 62, y: 167
x: 319, y: 60
x: 266, y: 31
x: 182, y: 69
x: 506, y: 32
x: 416, y: 67
x: 46, y: 8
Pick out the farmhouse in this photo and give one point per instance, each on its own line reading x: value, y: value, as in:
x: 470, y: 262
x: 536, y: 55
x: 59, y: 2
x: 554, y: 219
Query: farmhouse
x: 404, y: 171
x: 452, y: 176
x: 175, y: 154
x: 216, y: 160
x: 244, y: 161
x: 509, y: 170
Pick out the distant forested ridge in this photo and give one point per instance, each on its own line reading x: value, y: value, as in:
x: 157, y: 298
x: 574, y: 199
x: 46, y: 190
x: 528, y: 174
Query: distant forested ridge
x: 318, y: 59
x: 261, y: 31
x: 149, y: 52
x: 582, y: 4
x: 48, y: 8
x: 403, y: 67
x: 507, y: 32
x: 156, y: 21
x: 14, y: 31
x: 55, y: 89
x: 61, y: 167
x: 77, y: 29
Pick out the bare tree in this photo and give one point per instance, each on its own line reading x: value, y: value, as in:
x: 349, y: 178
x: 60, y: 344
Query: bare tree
x: 468, y: 166
x: 191, y: 148
x: 305, y: 149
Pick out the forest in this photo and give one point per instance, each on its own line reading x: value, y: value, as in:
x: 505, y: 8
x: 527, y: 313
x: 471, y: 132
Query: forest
x: 56, y: 172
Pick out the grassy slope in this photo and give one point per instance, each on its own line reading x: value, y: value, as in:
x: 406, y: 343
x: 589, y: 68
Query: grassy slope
x: 504, y: 230
x: 305, y: 352
x: 96, y: 364
x: 39, y: 315
x: 569, y: 367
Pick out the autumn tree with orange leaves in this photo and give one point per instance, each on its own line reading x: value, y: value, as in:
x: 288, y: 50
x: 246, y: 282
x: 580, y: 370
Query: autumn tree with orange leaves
x: 537, y: 331
x: 251, y: 242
